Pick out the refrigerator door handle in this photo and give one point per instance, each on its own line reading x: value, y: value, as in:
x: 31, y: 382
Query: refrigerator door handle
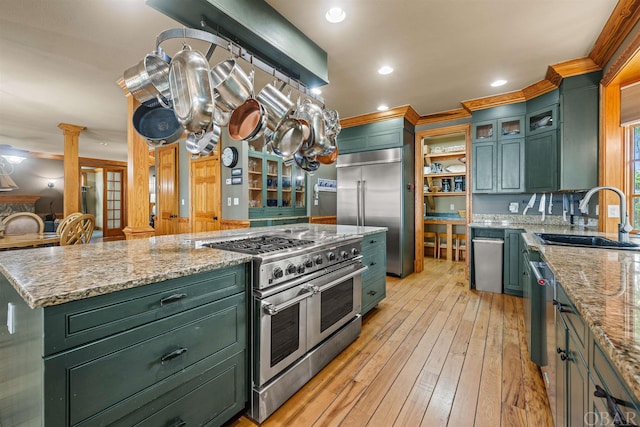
x: 362, y: 193
x: 358, y: 203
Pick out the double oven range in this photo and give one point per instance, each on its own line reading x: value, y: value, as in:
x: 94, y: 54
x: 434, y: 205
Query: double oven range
x: 305, y: 308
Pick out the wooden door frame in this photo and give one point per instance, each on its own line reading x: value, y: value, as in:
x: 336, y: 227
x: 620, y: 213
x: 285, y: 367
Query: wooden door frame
x: 419, y: 175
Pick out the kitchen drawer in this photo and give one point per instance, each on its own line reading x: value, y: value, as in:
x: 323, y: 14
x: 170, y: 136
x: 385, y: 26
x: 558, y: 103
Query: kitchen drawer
x: 83, y: 382
x: 375, y: 262
x: 373, y: 291
x: 374, y: 242
x: 494, y: 233
x: 84, y: 321
x: 575, y: 322
x: 606, y: 377
x: 211, y: 399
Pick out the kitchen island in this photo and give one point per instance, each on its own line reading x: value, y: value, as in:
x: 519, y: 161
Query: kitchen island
x: 128, y: 332
x: 604, y: 287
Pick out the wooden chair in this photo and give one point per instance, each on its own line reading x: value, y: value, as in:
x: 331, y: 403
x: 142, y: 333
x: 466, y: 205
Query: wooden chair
x: 431, y: 241
x: 78, y: 231
x: 22, y: 223
x: 442, y: 244
x: 461, y: 245
x: 66, y: 220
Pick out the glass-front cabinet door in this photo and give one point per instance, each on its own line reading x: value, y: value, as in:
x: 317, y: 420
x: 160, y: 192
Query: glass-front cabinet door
x: 275, y: 189
x: 288, y: 197
x: 542, y: 120
x: 511, y: 127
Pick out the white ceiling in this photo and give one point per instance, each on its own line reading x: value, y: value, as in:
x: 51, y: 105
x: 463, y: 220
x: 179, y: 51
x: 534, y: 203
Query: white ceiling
x: 60, y: 59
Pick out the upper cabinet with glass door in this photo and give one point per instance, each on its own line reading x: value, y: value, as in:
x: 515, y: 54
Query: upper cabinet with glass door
x: 542, y: 120
x: 276, y: 189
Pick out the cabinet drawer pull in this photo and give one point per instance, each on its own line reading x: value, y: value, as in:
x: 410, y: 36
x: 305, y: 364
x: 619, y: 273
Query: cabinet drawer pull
x: 615, y: 413
x: 177, y: 423
x: 563, y: 308
x: 173, y: 354
x: 373, y: 263
x: 172, y: 298
x: 372, y: 293
x: 562, y: 353
x: 372, y: 241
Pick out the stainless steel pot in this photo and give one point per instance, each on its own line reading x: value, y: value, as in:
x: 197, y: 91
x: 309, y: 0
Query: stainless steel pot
x: 191, y: 143
x: 278, y: 106
x: 232, y: 85
x: 248, y: 121
x: 191, y: 90
x: 149, y: 79
x: 314, y: 115
x: 287, y: 138
x: 307, y: 164
x: 157, y: 125
x: 209, y: 141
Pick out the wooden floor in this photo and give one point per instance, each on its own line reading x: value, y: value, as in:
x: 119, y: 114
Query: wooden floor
x: 432, y: 353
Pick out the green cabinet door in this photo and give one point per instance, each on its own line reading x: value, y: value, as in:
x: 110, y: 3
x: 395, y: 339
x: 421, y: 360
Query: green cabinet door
x: 511, y: 166
x: 511, y: 277
x: 579, y: 135
x: 484, y: 167
x: 541, y: 153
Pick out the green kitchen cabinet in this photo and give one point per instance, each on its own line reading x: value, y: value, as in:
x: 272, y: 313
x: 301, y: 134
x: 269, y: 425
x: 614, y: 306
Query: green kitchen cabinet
x: 150, y: 355
x: 374, y: 278
x: 511, y: 166
x: 275, y: 188
x: 512, y: 273
x: 572, y: 375
x: 483, y: 167
x: 392, y: 133
x: 541, y: 154
x: 498, y: 150
x: 579, y: 107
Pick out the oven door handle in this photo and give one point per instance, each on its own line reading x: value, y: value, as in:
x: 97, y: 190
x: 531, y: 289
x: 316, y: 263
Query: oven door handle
x: 272, y: 309
x: 341, y: 279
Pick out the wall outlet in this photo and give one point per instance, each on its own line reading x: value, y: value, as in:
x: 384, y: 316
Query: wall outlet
x: 452, y: 207
x: 236, y: 201
x: 182, y: 202
x: 228, y: 182
x: 613, y: 211
x: 228, y: 201
x: 513, y: 207
x: 315, y: 202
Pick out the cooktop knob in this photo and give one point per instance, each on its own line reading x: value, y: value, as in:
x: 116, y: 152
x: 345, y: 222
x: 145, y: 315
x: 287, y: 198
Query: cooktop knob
x: 277, y: 273
x: 344, y: 255
x: 301, y: 269
x: 318, y: 260
x: 331, y: 256
x: 309, y: 263
x: 354, y: 251
x: 291, y: 269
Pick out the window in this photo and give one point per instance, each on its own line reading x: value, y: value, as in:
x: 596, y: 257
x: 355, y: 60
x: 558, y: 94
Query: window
x: 634, y: 189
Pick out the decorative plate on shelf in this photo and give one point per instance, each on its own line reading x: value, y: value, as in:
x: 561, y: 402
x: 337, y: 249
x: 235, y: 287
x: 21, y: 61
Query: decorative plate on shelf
x: 456, y: 169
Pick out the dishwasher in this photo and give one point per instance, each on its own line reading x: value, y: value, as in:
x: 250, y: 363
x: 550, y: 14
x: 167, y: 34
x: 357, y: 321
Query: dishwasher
x: 543, y: 325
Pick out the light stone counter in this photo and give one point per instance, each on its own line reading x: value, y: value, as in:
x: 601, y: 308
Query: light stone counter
x: 58, y: 274
x: 604, y: 285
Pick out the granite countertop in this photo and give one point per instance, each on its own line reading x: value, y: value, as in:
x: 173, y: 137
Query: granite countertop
x: 603, y: 284
x: 58, y: 274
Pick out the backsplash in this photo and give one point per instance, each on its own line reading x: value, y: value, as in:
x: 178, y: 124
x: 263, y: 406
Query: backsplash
x: 534, y: 219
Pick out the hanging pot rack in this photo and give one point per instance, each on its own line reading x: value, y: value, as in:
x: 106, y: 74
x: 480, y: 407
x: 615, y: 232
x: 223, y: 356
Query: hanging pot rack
x: 237, y: 51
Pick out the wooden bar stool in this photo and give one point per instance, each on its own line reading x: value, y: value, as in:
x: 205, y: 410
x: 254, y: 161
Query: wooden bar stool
x: 461, y: 245
x: 442, y: 244
x: 431, y: 241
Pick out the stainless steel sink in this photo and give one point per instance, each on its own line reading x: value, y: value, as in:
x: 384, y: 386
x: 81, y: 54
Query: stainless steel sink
x: 584, y: 241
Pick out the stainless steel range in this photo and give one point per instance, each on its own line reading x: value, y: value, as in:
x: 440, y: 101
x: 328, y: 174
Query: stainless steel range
x: 307, y: 297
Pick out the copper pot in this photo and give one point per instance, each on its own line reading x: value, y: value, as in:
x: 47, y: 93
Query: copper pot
x: 329, y: 158
x: 248, y: 121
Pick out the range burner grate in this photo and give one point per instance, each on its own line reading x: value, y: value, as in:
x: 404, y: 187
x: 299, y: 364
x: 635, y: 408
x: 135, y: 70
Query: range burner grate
x: 259, y: 245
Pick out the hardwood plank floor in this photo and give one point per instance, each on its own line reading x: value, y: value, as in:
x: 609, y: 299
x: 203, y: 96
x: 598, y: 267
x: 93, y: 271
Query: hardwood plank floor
x: 432, y: 353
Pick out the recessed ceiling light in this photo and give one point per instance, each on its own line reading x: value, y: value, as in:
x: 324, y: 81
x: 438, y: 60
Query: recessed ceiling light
x: 385, y: 69
x: 335, y: 15
x: 316, y: 91
x: 382, y: 108
x: 498, y: 83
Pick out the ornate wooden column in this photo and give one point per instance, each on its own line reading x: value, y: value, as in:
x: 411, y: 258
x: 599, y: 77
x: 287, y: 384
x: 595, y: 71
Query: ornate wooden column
x: 71, y: 194
x: 137, y: 178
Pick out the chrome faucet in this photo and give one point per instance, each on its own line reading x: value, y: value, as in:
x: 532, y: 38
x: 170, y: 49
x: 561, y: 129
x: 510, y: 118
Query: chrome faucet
x: 624, y: 227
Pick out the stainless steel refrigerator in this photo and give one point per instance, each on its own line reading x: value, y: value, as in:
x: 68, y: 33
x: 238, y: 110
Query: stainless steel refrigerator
x: 375, y: 188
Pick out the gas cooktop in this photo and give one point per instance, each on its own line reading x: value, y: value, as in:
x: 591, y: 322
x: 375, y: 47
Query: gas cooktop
x: 260, y: 244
